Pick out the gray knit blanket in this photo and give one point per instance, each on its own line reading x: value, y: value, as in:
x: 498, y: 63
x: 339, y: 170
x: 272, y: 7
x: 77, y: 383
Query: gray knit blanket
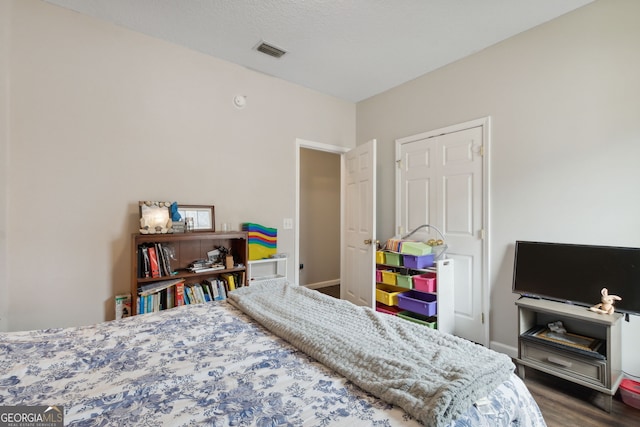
x: 433, y: 376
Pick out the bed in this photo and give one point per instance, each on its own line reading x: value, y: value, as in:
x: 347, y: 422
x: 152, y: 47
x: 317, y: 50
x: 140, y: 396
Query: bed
x: 214, y: 364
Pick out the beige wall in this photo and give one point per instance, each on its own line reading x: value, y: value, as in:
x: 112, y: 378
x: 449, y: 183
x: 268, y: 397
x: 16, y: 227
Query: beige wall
x: 101, y: 117
x: 319, y: 217
x: 565, y: 143
x: 4, y: 147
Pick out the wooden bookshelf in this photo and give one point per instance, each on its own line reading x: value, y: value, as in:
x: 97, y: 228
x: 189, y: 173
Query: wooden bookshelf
x: 186, y: 248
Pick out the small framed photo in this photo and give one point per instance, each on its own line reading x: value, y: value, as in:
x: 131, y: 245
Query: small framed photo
x: 154, y: 217
x: 198, y: 217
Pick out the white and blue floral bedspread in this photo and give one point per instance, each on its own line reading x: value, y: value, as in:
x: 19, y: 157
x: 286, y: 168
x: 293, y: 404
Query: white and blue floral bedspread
x: 206, y: 364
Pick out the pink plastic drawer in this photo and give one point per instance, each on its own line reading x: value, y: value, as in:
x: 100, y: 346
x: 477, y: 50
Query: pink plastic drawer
x: 379, y: 276
x: 387, y: 309
x: 425, y: 282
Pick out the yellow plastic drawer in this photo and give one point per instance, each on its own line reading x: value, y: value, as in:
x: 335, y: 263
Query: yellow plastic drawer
x: 389, y: 277
x: 388, y: 294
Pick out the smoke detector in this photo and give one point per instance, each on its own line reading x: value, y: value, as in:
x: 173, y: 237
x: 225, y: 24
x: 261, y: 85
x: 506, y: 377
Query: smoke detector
x: 239, y: 101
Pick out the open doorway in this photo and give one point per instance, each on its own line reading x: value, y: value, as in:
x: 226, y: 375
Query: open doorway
x: 317, y: 246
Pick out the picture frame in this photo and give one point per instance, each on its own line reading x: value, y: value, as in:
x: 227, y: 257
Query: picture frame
x: 203, y: 217
x: 154, y: 217
x: 568, y: 339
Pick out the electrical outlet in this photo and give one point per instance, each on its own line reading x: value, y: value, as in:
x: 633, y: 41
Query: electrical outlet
x: 287, y: 223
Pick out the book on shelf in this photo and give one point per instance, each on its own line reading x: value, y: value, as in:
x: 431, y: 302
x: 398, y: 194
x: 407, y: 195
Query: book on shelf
x: 171, y: 295
x: 164, y: 255
x: 230, y: 281
x: 222, y: 293
x: 144, y: 266
x: 153, y: 260
x: 197, y: 292
x: 161, y: 262
x: 123, y: 306
x: 212, y: 286
x: 215, y: 291
x: 188, y: 296
x: 164, y: 301
x: 179, y: 298
x: 206, y: 287
x: 151, y: 288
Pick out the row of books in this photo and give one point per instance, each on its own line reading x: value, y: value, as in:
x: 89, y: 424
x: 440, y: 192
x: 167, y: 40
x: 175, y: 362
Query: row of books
x: 166, y: 294
x: 154, y: 260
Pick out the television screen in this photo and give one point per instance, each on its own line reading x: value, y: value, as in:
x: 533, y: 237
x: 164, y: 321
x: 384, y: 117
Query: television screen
x: 576, y: 274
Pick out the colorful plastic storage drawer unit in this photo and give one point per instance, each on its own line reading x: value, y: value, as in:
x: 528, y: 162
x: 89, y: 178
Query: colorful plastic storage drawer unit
x: 392, y: 258
x: 404, y: 281
x: 422, y: 261
x: 425, y: 282
x: 389, y: 277
x: 418, y: 302
x: 380, y: 257
x: 388, y: 295
x: 387, y: 309
x: 418, y: 318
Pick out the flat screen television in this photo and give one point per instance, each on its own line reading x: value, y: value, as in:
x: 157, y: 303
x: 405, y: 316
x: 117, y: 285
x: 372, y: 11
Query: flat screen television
x: 575, y: 274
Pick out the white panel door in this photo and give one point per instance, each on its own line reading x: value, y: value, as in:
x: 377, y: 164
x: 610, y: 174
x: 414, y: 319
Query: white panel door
x: 440, y: 182
x: 359, y: 225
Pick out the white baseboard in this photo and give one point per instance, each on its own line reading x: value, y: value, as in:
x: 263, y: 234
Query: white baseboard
x: 322, y: 284
x: 502, y: 348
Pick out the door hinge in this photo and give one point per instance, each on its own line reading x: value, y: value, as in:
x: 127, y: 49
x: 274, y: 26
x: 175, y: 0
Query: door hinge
x: 482, y: 150
x: 481, y: 234
x: 399, y: 164
x: 482, y: 315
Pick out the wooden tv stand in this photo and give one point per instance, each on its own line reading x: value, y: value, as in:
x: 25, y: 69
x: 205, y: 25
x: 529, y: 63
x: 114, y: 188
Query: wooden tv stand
x: 600, y: 374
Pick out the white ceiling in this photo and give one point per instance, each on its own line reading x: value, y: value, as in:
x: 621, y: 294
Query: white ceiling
x: 350, y: 49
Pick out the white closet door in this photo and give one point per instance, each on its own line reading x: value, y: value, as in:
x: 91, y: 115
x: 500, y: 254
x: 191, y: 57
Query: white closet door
x: 440, y: 182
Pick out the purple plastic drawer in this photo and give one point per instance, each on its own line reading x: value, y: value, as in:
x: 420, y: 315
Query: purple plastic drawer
x: 418, y: 302
x: 418, y: 261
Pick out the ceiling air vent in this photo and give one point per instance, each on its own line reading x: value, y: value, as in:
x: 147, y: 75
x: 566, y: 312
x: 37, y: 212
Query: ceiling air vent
x: 270, y: 50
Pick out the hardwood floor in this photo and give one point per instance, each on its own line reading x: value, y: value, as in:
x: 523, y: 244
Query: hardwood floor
x: 333, y: 291
x: 563, y: 403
